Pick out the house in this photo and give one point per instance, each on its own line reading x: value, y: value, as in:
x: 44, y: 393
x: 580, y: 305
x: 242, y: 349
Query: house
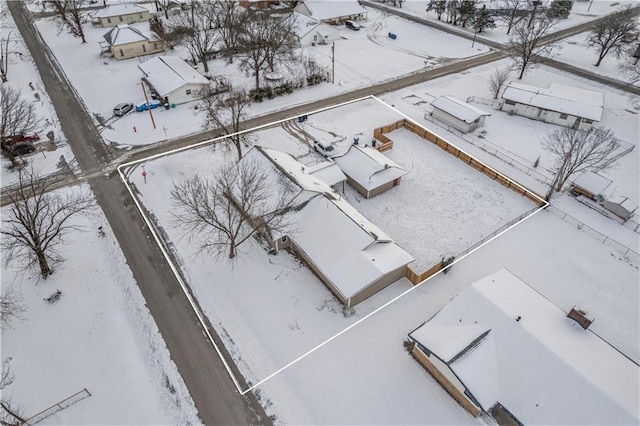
x: 172, y: 79
x: 621, y: 206
x: 332, y: 11
x: 311, y: 32
x: 124, y: 42
x: 500, y: 346
x: 351, y: 256
x: 116, y: 14
x: 258, y: 4
x: 458, y: 114
x: 369, y: 171
x: 559, y: 104
x: 590, y: 185
x: 328, y: 172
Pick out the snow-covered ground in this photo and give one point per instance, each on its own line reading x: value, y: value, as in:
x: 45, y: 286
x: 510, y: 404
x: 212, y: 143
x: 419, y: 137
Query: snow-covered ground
x: 99, y: 335
x: 24, y: 76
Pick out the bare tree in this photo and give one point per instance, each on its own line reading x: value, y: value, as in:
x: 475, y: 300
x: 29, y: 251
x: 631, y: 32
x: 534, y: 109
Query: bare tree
x: 282, y: 40
x: 225, y: 211
x: 578, y: 151
x: 253, y: 43
x: 525, y: 46
x: 200, y: 38
x: 37, y: 220
x: 514, y: 13
x: 6, y: 49
x: 608, y: 34
x: 226, y: 113
x: 69, y: 14
x: 17, y: 117
x: 11, y: 307
x: 532, y: 11
x: 438, y: 6
x: 228, y: 21
x: 452, y: 11
x: 629, y: 67
x: 164, y: 6
x: 498, y: 79
x: 9, y: 414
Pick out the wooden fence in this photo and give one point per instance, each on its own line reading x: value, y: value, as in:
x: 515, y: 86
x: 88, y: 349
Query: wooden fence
x: 379, y: 133
x: 416, y: 278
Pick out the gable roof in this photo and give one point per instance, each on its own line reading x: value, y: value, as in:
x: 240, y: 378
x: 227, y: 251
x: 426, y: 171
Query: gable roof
x: 368, y: 167
x: 118, y: 10
x: 326, y: 221
x: 324, y: 10
x: 125, y: 34
x: 558, y: 97
x: 592, y: 182
x: 327, y: 171
x: 459, y: 109
x: 303, y: 24
x: 168, y: 73
x: 545, y: 369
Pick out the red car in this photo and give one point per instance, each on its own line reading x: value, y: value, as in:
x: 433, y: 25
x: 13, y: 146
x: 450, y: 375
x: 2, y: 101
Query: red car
x: 21, y: 138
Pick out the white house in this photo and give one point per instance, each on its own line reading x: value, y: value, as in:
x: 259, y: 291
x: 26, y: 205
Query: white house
x: 126, y: 13
x: 332, y: 11
x: 559, y: 104
x: 311, y: 32
x: 354, y: 258
x: 173, y: 79
x: 500, y: 345
x: 458, y: 114
x: 124, y: 42
x: 591, y: 185
x: 368, y: 170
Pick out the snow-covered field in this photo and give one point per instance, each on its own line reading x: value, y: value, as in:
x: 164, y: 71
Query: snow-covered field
x: 99, y: 335
x: 23, y: 75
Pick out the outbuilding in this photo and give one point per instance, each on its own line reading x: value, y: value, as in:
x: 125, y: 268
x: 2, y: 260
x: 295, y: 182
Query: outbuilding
x: 124, y: 42
x: 559, y: 104
x: 621, y: 206
x: 458, y: 114
x: 173, y: 80
x: 368, y: 170
x: 591, y: 185
x: 312, y: 32
x: 126, y: 13
x: 332, y: 11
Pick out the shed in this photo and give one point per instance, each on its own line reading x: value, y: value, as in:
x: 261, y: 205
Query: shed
x: 173, y: 79
x: 559, y: 104
x: 126, y: 13
x: 458, y: 114
x: 124, y: 42
x: 311, y: 32
x: 499, y: 344
x: 332, y: 11
x: 591, y: 185
x: 621, y: 206
x: 369, y: 171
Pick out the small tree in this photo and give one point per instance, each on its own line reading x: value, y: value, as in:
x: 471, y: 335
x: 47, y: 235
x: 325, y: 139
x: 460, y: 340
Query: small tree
x: 70, y: 16
x: 483, y: 20
x: 438, y: 6
x: 608, y: 34
x: 578, y: 151
x: 514, y: 12
x: 498, y: 79
x: 37, y: 220
x: 629, y: 67
x: 17, y: 117
x: 11, y: 307
x: 225, y: 211
x: 525, y: 46
x: 226, y: 113
x: 452, y: 11
x: 467, y: 11
x: 559, y: 9
x: 9, y: 414
x: 6, y: 49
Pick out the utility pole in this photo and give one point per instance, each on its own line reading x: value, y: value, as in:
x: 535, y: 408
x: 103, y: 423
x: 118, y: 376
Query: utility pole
x: 146, y: 99
x: 333, y: 62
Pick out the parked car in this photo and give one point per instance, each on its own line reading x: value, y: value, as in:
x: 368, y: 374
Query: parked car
x: 352, y: 25
x: 143, y: 106
x: 122, y: 109
x: 324, y: 148
x: 22, y: 137
x: 23, y: 148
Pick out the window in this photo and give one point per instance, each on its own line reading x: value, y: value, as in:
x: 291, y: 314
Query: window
x: 144, y: 48
x: 121, y: 52
x: 120, y: 18
x: 109, y: 20
x: 140, y: 16
x: 284, y: 239
x: 587, y: 121
x: 508, y: 102
x: 563, y: 116
x: 188, y: 91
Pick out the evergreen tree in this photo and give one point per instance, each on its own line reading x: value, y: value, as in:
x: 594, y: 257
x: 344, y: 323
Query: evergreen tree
x: 438, y: 6
x: 559, y: 9
x: 483, y: 20
x: 467, y: 11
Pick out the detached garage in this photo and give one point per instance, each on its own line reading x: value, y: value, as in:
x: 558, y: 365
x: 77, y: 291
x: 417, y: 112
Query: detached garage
x: 458, y: 114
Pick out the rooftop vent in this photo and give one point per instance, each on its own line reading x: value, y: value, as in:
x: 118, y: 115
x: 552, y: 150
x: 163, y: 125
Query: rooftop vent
x: 580, y: 316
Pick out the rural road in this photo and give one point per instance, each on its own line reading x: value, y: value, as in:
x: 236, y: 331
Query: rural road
x: 211, y: 388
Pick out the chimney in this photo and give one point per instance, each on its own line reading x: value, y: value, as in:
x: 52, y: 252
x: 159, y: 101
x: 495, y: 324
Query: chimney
x: 580, y: 316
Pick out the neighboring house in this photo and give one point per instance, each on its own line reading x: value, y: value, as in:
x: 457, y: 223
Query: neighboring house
x: 591, y: 185
x: 458, y: 114
x: 332, y: 11
x: 258, y: 4
x: 369, y: 171
x: 125, y: 42
x: 173, y: 80
x: 559, y: 104
x: 501, y: 346
x: 328, y: 172
x: 351, y: 256
x: 621, y: 206
x: 117, y: 14
x: 311, y: 32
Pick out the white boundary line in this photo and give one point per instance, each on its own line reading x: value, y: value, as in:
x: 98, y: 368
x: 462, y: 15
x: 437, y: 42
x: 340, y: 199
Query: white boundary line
x: 183, y: 285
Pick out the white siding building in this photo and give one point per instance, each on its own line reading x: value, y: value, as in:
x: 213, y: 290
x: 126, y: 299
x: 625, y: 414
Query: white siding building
x: 173, y: 79
x: 458, y: 114
x: 332, y: 11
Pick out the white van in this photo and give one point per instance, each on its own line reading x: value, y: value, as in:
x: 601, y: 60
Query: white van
x: 324, y: 148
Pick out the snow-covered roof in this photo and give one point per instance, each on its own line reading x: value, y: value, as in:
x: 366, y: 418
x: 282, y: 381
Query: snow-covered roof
x: 168, y: 73
x: 327, y: 221
x: 544, y: 368
x: 327, y: 171
x: 124, y: 34
x: 558, y: 97
x: 118, y: 10
x: 623, y: 201
x: 592, y: 182
x: 325, y: 10
x: 303, y: 24
x: 368, y: 167
x: 459, y: 109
